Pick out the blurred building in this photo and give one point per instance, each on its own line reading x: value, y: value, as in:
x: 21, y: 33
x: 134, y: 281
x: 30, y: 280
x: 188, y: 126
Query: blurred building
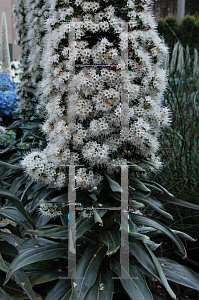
x: 6, y: 6
x: 164, y: 8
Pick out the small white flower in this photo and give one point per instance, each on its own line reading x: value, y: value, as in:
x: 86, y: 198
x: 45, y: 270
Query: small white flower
x: 2, y: 131
x: 86, y: 179
x: 101, y: 287
x: 51, y: 210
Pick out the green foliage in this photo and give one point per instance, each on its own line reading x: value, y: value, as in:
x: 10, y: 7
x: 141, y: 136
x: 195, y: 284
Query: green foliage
x: 179, y: 142
x: 186, y: 32
x: 192, y: 7
x: 169, y: 30
x: 34, y: 252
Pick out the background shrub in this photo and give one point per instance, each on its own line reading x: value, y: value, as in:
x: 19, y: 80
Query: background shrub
x: 187, y: 32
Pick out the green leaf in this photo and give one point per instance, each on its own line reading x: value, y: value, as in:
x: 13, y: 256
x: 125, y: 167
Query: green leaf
x: 115, y: 187
x: 183, y: 235
x: 10, y: 147
x: 60, y: 290
x: 40, y: 276
x: 13, y: 229
x: 42, y: 221
x: 32, y: 243
x: 115, y: 196
x: 97, y: 217
x: 8, y: 250
x: 26, y: 135
x: 132, y: 226
x: 152, y: 245
x: 4, y: 266
x: 83, y: 225
x: 135, y: 284
x: 136, y: 183
x: 20, y: 279
x: 94, y: 290
x: 159, y: 186
x: 145, y: 221
x: 149, y: 163
x: 14, y: 125
x: 4, y: 295
x: 34, y: 255
x: 61, y: 198
x: 132, y: 229
x: 135, y: 204
x: 152, y: 203
x: 138, y: 195
x: 136, y: 168
x: 112, y: 239
x: 15, y: 158
x: 35, y: 189
x: 28, y: 185
x: 17, y: 183
x: 15, y: 215
x: 12, y: 198
x: 15, y: 292
x: 103, y: 287
x: 52, y: 231
x: 93, y: 196
x: 138, y: 236
x: 161, y: 273
x: 9, y: 166
x: 152, y: 187
x: 138, y: 249
x: 38, y: 137
x: 94, y: 190
x: 179, y: 273
x: 174, y: 200
x: 23, y: 281
x: 158, y: 297
x: 149, y: 230
x: 11, y: 238
x: 108, y: 285
x: 87, y: 268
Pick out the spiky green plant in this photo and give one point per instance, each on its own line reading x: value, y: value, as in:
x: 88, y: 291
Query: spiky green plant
x: 179, y: 142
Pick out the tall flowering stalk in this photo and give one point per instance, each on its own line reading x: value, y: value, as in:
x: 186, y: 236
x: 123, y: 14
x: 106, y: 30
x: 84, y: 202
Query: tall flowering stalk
x: 84, y: 127
x: 37, y: 13
x: 5, y: 56
x: 25, y: 90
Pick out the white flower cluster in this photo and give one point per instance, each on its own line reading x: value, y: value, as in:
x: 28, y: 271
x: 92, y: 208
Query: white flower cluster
x: 86, y: 214
x: 15, y: 70
x: 40, y: 168
x: 48, y: 209
x: 87, y: 179
x: 103, y: 82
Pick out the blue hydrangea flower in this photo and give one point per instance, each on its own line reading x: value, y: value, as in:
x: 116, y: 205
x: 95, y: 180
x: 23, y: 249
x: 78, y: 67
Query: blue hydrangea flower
x: 8, y: 97
x: 5, y: 83
x: 8, y: 103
